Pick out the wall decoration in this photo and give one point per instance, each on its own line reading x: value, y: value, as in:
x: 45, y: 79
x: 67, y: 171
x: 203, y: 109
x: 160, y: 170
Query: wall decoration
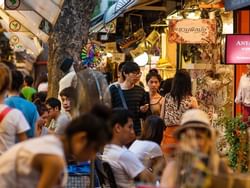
x: 192, y: 31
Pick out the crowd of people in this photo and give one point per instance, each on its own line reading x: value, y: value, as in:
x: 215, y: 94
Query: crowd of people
x: 157, y: 136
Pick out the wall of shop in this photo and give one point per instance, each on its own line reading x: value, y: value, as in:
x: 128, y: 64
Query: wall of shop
x: 242, y: 27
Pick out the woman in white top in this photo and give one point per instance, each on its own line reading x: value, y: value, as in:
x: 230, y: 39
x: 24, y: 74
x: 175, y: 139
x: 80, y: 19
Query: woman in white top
x: 13, y: 125
x: 40, y: 162
x: 148, y: 148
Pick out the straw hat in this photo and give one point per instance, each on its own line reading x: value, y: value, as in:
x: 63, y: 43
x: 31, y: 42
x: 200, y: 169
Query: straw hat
x: 194, y: 118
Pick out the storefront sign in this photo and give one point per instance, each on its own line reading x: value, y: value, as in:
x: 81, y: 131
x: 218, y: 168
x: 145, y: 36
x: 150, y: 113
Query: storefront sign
x: 192, y: 31
x: 236, y: 4
x: 237, y: 49
x: 16, y: 5
x: 118, y: 57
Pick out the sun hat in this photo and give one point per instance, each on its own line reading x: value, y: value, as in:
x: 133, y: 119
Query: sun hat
x: 193, y: 118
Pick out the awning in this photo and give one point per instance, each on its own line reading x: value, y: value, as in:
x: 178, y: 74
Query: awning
x: 122, y: 6
x: 23, y: 41
x: 118, y: 8
x: 29, y: 15
x: 32, y: 13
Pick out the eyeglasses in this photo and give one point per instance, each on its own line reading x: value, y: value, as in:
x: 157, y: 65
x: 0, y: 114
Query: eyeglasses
x: 136, y: 73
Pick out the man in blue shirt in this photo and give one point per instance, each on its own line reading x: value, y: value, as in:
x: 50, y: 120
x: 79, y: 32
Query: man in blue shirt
x: 14, y: 100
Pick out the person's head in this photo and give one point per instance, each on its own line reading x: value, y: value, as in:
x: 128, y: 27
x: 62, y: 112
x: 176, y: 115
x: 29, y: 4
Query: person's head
x: 181, y: 86
x: 122, y: 125
x: 66, y: 65
x: 5, y: 79
x: 17, y: 80
x: 152, y: 129
x: 165, y: 86
x: 131, y: 72
x: 68, y: 97
x: 42, y: 95
x: 195, y: 130
x: 54, y: 107
x: 86, y: 135
x: 119, y: 71
x: 42, y: 111
x: 28, y: 80
x: 153, y: 79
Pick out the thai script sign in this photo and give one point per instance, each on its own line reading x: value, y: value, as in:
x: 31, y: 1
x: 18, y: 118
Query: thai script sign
x: 237, y: 49
x: 236, y: 4
x: 192, y: 31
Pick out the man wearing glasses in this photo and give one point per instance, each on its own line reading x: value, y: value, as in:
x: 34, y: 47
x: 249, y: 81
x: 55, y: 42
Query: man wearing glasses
x: 129, y: 95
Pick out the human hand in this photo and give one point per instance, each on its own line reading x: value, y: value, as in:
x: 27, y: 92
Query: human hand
x: 144, y: 108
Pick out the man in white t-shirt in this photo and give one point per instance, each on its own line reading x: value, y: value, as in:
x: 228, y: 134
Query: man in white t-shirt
x: 125, y: 165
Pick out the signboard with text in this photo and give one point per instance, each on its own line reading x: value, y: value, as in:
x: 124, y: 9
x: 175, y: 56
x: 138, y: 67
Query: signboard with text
x: 236, y: 4
x: 192, y: 31
x: 237, y: 49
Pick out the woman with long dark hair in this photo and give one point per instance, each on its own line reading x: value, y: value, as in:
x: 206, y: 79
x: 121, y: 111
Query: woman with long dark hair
x: 178, y: 101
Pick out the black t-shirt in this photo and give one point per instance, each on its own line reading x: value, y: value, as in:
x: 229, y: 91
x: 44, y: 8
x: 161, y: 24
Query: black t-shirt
x: 134, y: 98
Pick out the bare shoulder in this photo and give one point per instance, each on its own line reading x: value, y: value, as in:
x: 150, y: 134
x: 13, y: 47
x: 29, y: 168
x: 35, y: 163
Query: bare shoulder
x: 53, y: 161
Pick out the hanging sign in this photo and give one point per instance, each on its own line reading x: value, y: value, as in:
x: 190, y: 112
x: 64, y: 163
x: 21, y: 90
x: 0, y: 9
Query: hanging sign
x: 237, y: 49
x: 16, y: 5
x: 118, y: 57
x: 236, y: 4
x: 193, y: 31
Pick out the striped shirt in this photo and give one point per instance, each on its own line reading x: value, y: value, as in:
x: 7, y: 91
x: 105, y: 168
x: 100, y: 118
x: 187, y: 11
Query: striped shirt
x: 134, y: 98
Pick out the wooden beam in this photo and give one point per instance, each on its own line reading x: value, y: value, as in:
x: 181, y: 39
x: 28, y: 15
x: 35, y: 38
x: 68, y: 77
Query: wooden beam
x: 152, y: 8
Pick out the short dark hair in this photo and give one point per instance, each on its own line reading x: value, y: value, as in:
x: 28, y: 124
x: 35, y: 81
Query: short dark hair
x: 153, y: 128
x: 66, y: 64
x: 120, y: 116
x: 129, y: 67
x: 17, y: 80
x: 69, y: 92
x: 29, y: 80
x: 119, y: 68
x: 53, y: 102
x: 98, y: 131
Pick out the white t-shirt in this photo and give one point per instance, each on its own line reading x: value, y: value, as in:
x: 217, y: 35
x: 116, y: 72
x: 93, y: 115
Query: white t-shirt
x: 243, y: 92
x: 16, y: 164
x: 66, y: 81
x: 146, y: 150
x: 125, y: 165
x: 11, y: 125
x: 61, y: 123
x: 42, y: 87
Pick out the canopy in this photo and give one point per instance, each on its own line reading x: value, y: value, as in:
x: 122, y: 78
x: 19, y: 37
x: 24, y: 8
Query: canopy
x: 29, y: 14
x: 118, y: 8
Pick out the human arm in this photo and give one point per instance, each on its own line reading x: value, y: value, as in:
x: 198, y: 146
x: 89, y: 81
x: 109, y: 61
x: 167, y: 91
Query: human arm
x: 50, y: 168
x: 134, y: 167
x: 162, y: 108
x: 169, y: 175
x: 238, y: 98
x: 22, y: 126
x: 22, y: 136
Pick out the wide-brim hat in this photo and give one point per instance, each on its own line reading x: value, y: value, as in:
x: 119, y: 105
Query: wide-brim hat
x: 193, y: 118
